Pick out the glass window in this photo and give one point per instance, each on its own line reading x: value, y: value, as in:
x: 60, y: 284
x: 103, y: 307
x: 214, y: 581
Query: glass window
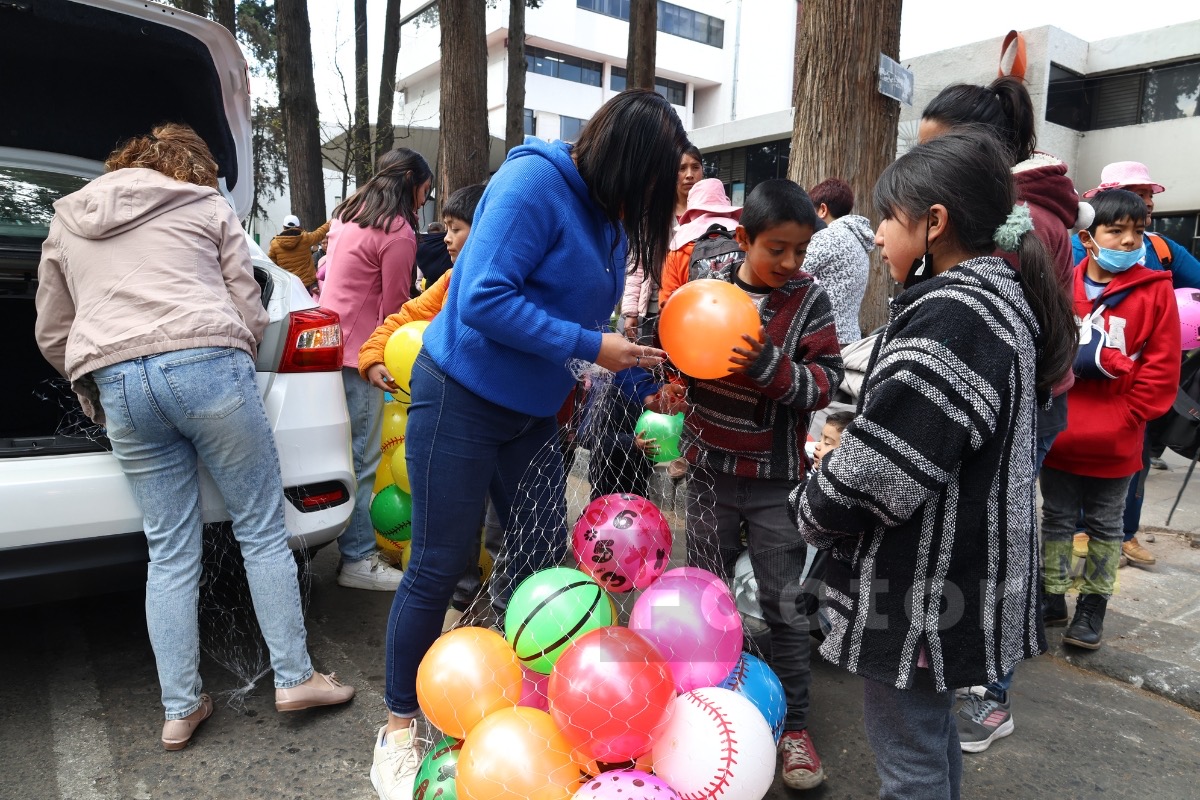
x: 530, y: 126
x: 616, y: 80
x: 560, y: 65
x: 27, y: 202
x: 766, y: 161
x: 672, y: 19
x: 1127, y: 98
x: 569, y: 128
x: 674, y: 91
x: 1172, y: 93
x: 1183, y: 229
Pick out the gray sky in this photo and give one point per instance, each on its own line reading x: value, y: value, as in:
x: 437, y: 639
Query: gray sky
x: 926, y: 26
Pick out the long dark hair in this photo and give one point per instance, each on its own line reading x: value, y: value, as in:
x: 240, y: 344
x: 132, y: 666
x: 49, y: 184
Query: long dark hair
x: 967, y: 171
x: 1003, y: 106
x: 628, y: 155
x: 390, y: 193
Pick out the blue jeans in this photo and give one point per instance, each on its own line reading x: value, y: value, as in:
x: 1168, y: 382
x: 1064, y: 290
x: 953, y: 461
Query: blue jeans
x: 458, y: 445
x: 165, y: 412
x: 915, y: 740
x: 365, y: 404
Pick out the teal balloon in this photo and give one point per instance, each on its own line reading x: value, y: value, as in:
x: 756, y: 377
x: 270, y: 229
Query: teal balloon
x: 437, y: 777
x: 391, y: 513
x: 665, y: 430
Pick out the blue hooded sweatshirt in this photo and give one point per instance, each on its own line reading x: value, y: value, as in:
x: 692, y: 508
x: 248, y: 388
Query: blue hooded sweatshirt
x: 534, y: 287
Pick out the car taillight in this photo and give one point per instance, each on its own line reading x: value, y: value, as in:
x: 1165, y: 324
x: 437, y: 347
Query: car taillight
x: 314, y: 342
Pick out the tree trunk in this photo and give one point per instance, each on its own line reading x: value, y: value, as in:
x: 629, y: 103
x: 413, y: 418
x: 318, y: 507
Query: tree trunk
x: 298, y: 102
x: 385, y: 135
x: 514, y: 119
x: 361, y: 140
x: 463, y: 131
x: 844, y: 127
x: 225, y: 12
x: 643, y: 36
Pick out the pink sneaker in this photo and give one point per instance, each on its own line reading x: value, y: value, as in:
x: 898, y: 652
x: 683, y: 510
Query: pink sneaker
x: 801, y: 764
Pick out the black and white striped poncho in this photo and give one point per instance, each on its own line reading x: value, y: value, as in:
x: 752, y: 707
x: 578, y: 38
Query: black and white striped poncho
x: 928, y: 504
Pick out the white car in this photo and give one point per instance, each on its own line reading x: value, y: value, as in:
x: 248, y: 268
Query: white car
x: 79, y: 78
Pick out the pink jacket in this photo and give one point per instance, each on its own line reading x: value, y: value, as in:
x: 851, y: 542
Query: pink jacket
x: 369, y: 275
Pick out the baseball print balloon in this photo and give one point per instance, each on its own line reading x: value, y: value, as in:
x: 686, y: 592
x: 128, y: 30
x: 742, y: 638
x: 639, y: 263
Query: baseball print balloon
x: 716, y: 746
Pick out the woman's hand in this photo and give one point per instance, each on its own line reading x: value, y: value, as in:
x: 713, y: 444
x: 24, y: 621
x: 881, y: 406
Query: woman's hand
x: 744, y: 357
x: 667, y: 400
x: 379, y: 377
x: 618, y: 353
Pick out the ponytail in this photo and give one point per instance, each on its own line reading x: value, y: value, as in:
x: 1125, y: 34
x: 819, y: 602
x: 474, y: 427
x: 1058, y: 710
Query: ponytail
x: 1048, y: 300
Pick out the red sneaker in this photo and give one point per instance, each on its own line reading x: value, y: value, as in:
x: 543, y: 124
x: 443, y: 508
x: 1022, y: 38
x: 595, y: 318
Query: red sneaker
x: 801, y: 764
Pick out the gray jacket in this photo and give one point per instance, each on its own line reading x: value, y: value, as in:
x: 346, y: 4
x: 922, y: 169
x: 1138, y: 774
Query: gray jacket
x: 839, y: 258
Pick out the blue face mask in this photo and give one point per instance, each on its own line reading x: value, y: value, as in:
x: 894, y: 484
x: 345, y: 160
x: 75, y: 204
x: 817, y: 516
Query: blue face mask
x: 1121, y: 260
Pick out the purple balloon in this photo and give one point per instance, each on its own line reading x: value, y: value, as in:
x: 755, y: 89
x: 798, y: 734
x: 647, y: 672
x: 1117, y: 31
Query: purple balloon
x: 689, y: 615
x: 625, y: 784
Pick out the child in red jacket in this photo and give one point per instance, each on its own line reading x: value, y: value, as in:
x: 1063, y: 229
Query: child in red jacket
x: 1127, y: 371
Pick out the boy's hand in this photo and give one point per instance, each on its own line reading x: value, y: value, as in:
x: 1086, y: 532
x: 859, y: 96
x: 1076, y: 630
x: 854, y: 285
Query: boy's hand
x: 649, y: 447
x: 379, y: 377
x: 744, y: 357
x: 667, y: 400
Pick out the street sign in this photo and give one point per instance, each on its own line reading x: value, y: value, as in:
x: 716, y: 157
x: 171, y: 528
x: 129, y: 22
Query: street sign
x: 895, y: 81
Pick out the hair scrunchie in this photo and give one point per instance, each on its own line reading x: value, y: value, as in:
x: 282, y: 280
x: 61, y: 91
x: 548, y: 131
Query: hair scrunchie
x: 1008, y: 236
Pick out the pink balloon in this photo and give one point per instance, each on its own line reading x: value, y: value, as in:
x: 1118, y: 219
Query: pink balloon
x: 534, y: 692
x: 622, y: 541
x: 625, y: 784
x: 689, y: 615
x: 1188, y: 301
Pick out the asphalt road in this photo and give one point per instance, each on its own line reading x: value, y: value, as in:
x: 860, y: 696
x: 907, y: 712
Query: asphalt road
x: 80, y: 719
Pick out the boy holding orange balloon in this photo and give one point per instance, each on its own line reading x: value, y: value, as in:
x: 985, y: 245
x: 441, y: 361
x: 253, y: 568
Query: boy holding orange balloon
x: 748, y: 424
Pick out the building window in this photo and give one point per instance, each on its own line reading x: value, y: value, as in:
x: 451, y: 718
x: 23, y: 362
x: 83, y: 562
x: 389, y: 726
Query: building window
x: 1183, y: 229
x: 674, y: 91
x: 560, y: 65
x: 672, y: 19
x: 530, y: 126
x: 766, y: 161
x: 1128, y: 98
x: 569, y: 128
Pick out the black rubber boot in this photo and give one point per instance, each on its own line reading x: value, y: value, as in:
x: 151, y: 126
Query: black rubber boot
x: 1088, y: 624
x: 1054, y: 610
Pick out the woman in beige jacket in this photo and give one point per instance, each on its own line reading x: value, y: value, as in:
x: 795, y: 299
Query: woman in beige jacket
x: 147, y: 302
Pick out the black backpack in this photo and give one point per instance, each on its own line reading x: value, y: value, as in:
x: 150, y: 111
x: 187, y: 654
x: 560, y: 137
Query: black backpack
x: 713, y: 251
x: 1179, y: 428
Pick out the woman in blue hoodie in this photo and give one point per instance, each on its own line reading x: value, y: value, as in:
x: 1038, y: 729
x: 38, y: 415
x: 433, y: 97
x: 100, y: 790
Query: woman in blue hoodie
x: 533, y: 292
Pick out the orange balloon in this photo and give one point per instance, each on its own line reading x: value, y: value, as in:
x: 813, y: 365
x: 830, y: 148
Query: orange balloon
x: 516, y: 754
x: 466, y: 675
x: 702, y: 323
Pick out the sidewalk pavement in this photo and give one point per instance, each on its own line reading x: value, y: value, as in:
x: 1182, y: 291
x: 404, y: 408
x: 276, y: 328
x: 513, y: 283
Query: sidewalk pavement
x: 1152, y: 627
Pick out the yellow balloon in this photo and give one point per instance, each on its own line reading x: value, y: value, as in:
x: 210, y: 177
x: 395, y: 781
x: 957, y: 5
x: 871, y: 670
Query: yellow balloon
x: 401, y: 351
x: 395, y: 420
x: 395, y: 553
x: 399, y: 469
x: 383, y: 477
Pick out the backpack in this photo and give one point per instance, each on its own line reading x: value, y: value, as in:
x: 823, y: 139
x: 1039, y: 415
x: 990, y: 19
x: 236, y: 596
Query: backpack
x: 1179, y: 428
x: 1161, y: 249
x: 712, y: 252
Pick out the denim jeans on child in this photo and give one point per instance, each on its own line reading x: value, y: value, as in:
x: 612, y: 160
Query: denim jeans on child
x: 365, y: 405
x: 915, y: 739
x: 1103, y: 503
x: 458, y: 445
x: 717, y: 504
x: 163, y: 413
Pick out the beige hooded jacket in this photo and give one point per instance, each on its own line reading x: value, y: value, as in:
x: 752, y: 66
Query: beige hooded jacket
x: 135, y: 264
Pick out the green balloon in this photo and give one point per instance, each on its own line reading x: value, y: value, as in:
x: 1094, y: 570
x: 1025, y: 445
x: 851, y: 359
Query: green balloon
x: 391, y: 513
x: 438, y: 774
x: 665, y: 430
x: 549, y: 610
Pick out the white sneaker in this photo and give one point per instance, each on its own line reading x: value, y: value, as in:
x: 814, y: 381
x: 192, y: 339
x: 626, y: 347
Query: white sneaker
x: 397, y: 758
x: 371, y: 572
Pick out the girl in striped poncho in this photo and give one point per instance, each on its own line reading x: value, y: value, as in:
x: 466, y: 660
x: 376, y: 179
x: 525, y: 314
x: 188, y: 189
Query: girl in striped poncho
x: 928, y: 505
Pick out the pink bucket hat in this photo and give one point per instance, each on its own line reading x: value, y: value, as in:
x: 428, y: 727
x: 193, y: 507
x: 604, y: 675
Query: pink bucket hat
x: 707, y: 205
x: 1121, y: 174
